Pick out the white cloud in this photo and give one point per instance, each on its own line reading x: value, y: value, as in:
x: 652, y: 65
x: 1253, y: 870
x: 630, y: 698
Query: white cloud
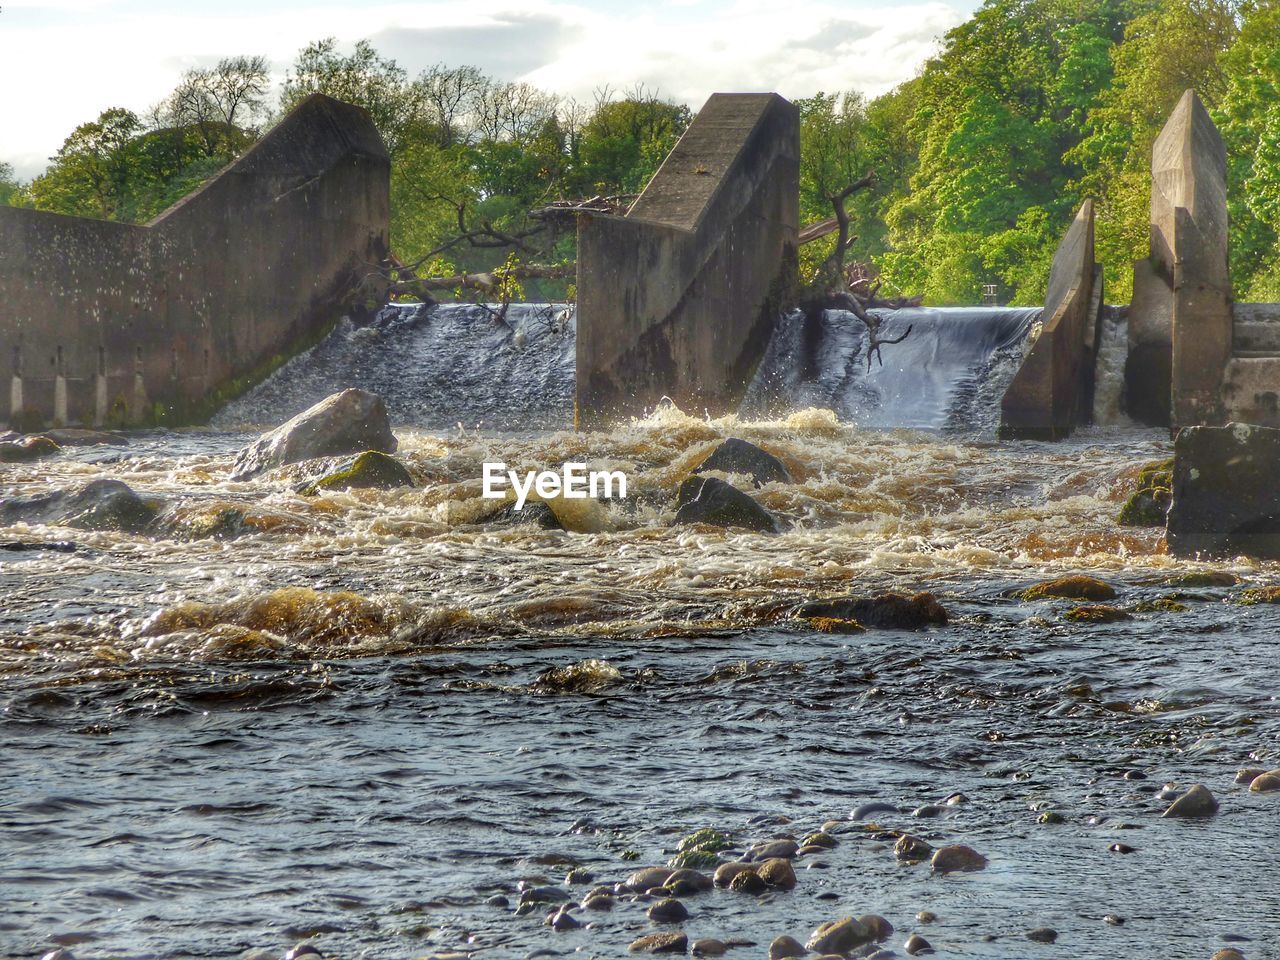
x: 63, y: 62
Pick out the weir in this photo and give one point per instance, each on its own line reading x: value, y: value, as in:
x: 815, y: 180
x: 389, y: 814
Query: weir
x: 122, y: 324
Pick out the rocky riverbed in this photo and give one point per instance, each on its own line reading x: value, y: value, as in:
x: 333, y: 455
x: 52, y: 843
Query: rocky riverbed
x: 393, y: 721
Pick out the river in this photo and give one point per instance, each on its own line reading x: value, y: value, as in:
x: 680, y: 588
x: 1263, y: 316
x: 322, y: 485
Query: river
x: 366, y: 715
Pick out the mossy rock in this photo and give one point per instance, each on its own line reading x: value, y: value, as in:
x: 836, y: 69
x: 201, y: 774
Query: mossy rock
x: 1160, y: 605
x: 1070, y: 588
x: 1259, y: 595
x: 1204, y: 578
x: 1149, y: 507
x: 1096, y: 613
x: 694, y: 860
x: 707, y: 839
x: 370, y: 470
x: 28, y: 449
x: 1158, y: 474
x: 835, y: 625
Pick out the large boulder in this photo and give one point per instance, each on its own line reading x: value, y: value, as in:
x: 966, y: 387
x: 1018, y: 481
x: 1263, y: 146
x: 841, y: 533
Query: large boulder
x: 1225, y: 497
x: 712, y: 501
x: 348, y: 422
x: 98, y: 505
x: 739, y: 456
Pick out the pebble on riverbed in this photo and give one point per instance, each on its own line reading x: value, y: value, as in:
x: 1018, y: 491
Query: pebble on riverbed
x: 660, y: 943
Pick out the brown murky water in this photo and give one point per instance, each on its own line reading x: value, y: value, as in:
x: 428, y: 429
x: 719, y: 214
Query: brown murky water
x: 365, y: 715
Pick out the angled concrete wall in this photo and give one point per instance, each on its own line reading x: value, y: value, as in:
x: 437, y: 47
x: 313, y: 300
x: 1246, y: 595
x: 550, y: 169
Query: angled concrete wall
x: 1182, y: 295
x: 105, y: 322
x: 679, y: 298
x: 1052, y: 391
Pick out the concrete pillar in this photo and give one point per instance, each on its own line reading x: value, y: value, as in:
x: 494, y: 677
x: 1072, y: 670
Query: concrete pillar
x: 679, y: 298
x: 1052, y: 391
x: 1186, y: 284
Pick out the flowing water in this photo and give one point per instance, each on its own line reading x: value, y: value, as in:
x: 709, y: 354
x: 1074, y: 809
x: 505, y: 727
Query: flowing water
x: 367, y: 714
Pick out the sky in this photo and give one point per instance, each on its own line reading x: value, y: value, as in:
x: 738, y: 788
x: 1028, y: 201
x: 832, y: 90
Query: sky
x: 62, y: 62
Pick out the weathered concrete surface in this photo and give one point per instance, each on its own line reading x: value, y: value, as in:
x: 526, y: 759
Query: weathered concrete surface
x: 679, y: 298
x: 1148, y: 369
x: 116, y: 323
x: 1052, y: 391
x: 1187, y: 279
x: 1225, y: 497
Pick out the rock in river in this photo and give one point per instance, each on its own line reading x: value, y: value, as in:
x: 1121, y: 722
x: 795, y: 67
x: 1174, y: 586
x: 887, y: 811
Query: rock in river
x: 839, y: 936
x: 739, y: 456
x: 1268, y: 782
x: 1070, y: 588
x: 660, y: 943
x: 370, y: 470
x: 1196, y: 804
x: 891, y: 611
x: 98, y: 505
x: 27, y: 449
x: 668, y: 911
x: 712, y: 501
x: 958, y: 859
x: 786, y: 948
x: 348, y: 422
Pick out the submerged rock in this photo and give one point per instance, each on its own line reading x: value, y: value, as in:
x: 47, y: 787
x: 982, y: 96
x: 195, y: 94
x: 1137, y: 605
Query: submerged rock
x: 28, y: 449
x: 370, y: 470
x: 1196, y: 804
x: 534, y: 511
x: 668, y: 911
x: 1070, y: 588
x: 348, y: 422
x: 917, y: 944
x: 1096, y: 613
x: 910, y: 849
x: 786, y: 948
x: 958, y: 859
x: 73, y: 437
x: 660, y: 943
x: 778, y: 873
x: 839, y: 936
x: 739, y: 456
x: 98, y: 505
x: 1268, y: 782
x: 712, y: 501
x: 893, y: 611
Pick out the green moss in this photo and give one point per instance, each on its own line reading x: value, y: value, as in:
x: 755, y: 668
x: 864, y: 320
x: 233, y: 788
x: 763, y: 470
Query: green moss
x: 1096, y: 613
x: 1148, y: 507
x: 708, y: 839
x: 1259, y: 595
x: 1204, y: 578
x: 1070, y: 588
x: 370, y: 470
x: 1161, y: 605
x: 694, y: 860
x: 835, y: 625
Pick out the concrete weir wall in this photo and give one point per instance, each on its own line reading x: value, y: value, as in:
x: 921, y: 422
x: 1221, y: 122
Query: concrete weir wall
x: 679, y: 297
x: 1195, y: 357
x: 110, y: 323
x: 1052, y: 391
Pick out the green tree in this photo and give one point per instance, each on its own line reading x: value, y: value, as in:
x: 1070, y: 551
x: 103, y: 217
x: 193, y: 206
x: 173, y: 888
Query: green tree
x: 1250, y: 123
x: 398, y: 106
x: 623, y: 141
x: 90, y: 173
x: 9, y: 185
x: 1166, y: 50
